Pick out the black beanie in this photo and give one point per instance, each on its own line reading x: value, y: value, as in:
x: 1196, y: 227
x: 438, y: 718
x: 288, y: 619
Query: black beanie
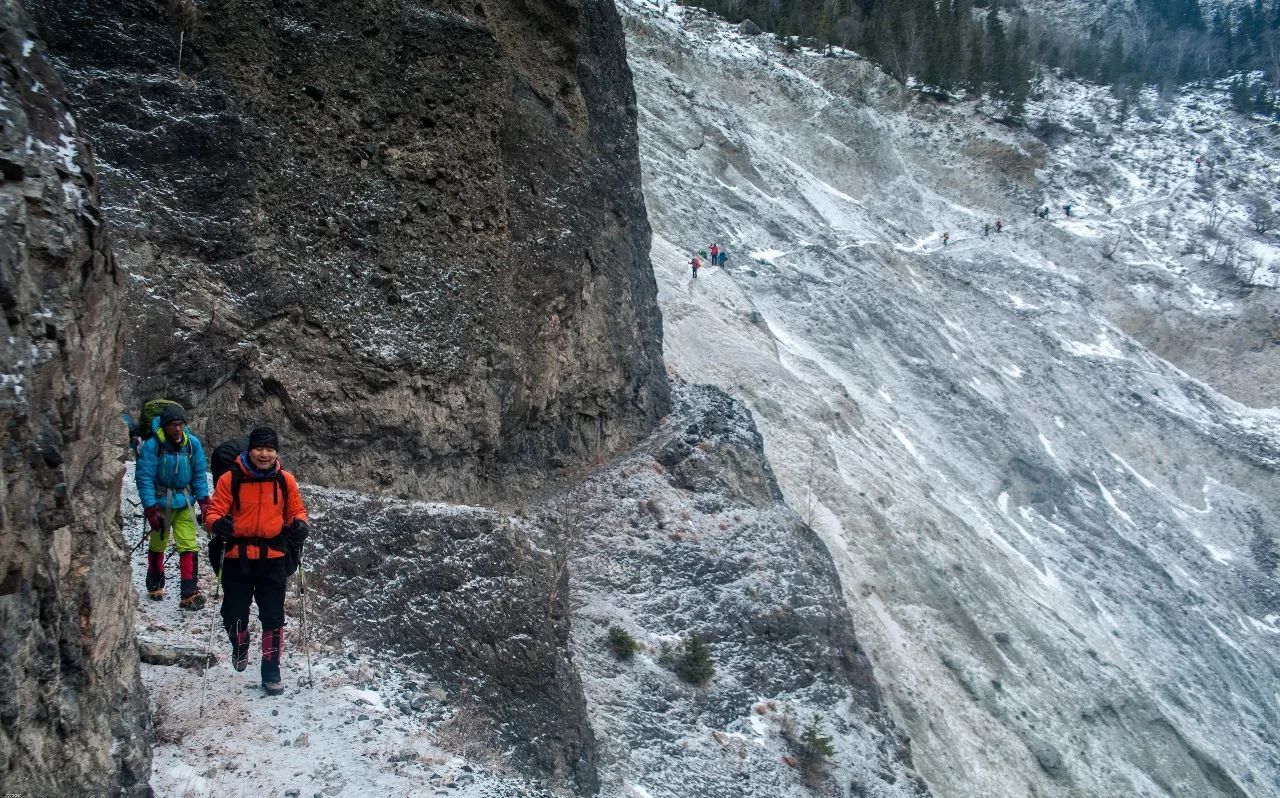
x: 172, y: 413
x: 264, y: 437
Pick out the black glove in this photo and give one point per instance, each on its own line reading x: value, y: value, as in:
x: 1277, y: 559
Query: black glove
x: 297, y: 532
x: 217, y: 549
x: 223, y: 528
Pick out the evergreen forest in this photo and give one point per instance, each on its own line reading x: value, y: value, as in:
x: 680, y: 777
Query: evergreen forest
x: 994, y: 48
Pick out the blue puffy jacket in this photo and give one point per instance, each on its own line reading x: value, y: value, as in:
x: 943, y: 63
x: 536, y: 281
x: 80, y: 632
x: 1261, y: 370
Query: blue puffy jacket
x: 160, y: 468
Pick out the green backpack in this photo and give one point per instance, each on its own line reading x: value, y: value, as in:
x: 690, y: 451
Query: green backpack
x: 144, y: 429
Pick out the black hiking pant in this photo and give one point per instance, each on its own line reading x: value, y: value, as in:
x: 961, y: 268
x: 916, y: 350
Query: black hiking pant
x: 262, y: 581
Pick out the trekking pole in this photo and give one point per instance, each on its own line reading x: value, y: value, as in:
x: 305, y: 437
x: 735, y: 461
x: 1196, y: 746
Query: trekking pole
x: 208, y: 654
x: 146, y: 533
x: 306, y: 638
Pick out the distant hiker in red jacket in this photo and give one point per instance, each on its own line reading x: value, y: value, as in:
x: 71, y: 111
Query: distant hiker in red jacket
x: 715, y: 254
x: 999, y: 225
x: 696, y: 263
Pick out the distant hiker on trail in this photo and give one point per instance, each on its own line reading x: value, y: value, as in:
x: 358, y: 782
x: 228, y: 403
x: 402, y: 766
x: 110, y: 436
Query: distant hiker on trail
x: 171, y: 481
x: 696, y: 263
x: 999, y: 225
x: 945, y: 238
x: 702, y: 253
x: 715, y: 254
x: 1067, y: 209
x: 986, y: 229
x: 257, y: 526
x: 724, y: 256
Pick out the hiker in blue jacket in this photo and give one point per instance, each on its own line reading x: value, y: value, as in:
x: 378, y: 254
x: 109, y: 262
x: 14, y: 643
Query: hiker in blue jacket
x: 172, y: 483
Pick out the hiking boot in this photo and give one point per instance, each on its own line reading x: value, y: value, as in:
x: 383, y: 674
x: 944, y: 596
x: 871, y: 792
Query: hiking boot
x: 271, y: 683
x: 240, y: 650
x: 189, y: 584
x: 272, y: 645
x: 155, y: 575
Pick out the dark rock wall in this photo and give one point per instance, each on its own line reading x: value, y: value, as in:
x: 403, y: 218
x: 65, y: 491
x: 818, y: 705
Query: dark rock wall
x: 464, y: 595
x: 410, y: 235
x: 73, y: 717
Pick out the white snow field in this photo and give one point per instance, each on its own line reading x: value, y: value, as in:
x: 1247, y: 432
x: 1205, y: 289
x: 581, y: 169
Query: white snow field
x: 1059, y: 546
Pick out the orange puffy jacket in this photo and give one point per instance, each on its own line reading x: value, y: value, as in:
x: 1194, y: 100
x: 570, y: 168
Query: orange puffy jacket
x: 265, y: 506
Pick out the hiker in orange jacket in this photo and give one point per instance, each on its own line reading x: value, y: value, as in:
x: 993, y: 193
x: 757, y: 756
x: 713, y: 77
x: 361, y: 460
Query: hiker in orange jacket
x: 257, y: 526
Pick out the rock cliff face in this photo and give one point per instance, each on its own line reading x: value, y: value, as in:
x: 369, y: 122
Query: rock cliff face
x: 410, y: 235
x: 73, y: 714
x: 467, y: 596
x: 686, y: 533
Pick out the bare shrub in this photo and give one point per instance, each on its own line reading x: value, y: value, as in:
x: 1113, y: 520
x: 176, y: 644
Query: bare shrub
x: 1261, y: 215
x: 469, y: 734
x: 165, y: 727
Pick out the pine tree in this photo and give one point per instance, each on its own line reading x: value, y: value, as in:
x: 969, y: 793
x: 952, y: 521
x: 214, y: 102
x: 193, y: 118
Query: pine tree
x: 1017, y: 84
x: 621, y: 643
x: 997, y: 51
x: 960, y: 33
x: 1241, y: 96
x: 977, y: 65
x: 814, y: 750
x: 1262, y: 100
x: 813, y: 745
x: 784, y: 30
x: 935, y: 71
x: 694, y: 663
x: 1113, y: 68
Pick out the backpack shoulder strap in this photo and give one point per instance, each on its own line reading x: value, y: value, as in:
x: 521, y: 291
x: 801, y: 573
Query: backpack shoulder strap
x: 237, y: 479
x: 284, y: 496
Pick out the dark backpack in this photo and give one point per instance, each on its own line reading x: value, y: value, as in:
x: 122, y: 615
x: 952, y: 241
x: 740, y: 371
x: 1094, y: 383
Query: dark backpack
x: 223, y: 457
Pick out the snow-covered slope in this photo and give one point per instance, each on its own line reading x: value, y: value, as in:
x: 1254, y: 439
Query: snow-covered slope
x: 1059, y: 547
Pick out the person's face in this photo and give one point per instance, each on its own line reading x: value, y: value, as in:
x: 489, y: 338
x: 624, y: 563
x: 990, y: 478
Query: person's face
x: 262, y: 457
x: 173, y: 430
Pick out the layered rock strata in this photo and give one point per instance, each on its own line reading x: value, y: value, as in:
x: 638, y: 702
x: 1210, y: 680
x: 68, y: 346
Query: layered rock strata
x: 410, y: 236
x: 73, y: 714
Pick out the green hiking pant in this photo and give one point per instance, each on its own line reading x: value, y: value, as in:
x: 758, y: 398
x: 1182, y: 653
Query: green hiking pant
x: 184, y: 532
